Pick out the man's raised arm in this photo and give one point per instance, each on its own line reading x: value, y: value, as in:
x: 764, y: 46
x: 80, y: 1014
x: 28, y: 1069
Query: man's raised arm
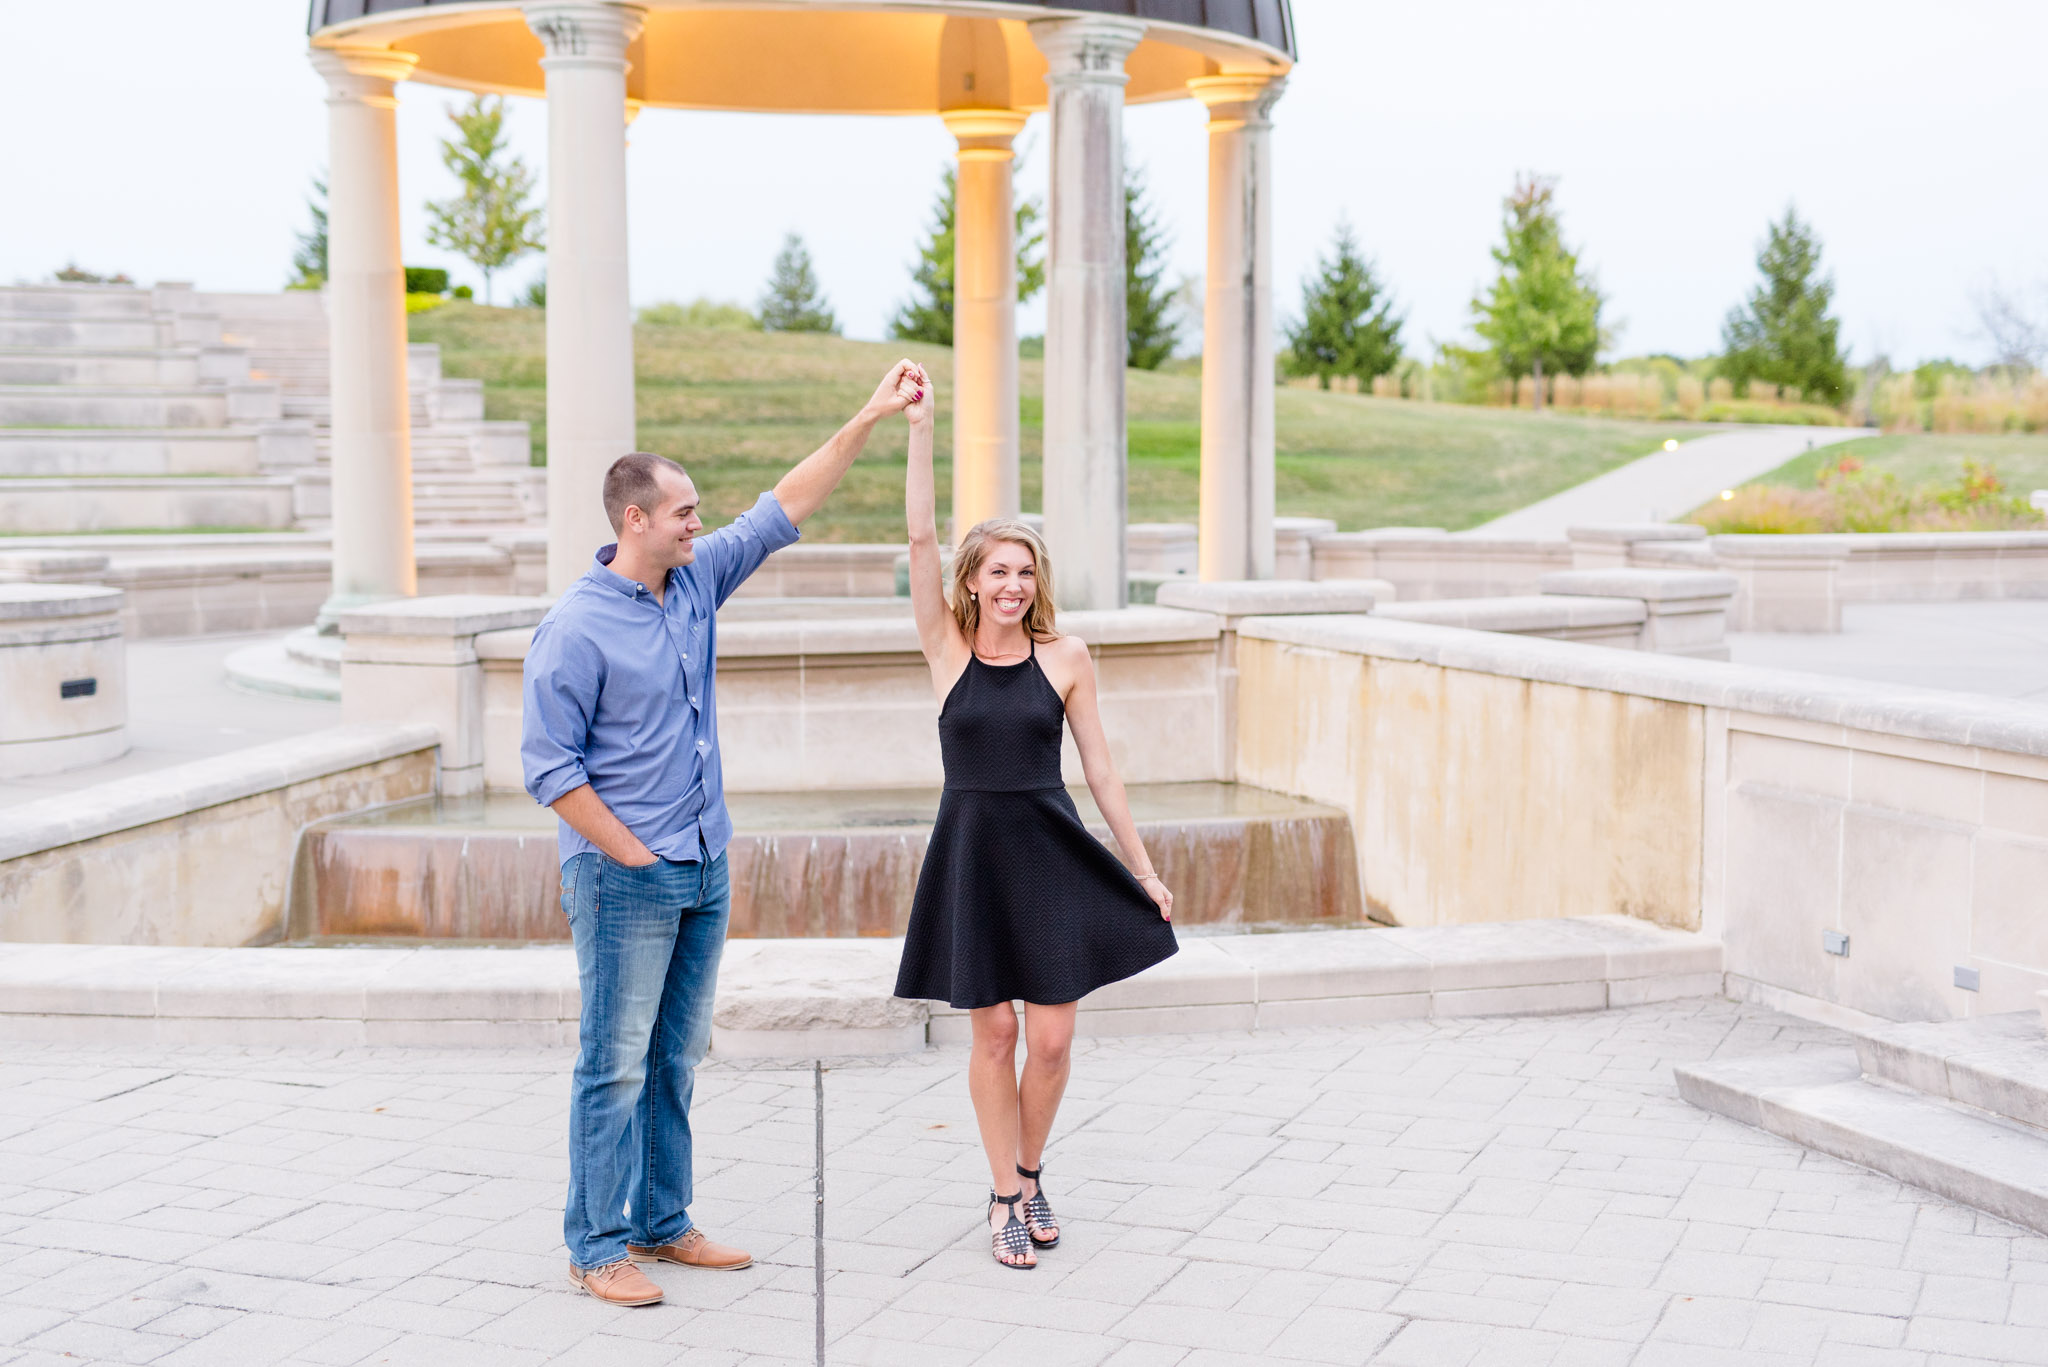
x: 803, y: 490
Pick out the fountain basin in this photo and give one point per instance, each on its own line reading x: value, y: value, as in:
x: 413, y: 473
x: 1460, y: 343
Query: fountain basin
x: 484, y: 869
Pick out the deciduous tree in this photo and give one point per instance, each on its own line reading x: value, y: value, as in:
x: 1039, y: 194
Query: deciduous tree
x: 1542, y: 313
x: 489, y: 222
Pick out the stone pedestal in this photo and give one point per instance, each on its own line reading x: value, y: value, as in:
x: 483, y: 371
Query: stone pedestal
x: 1085, y: 340
x: 1787, y: 584
x: 365, y: 296
x: 985, y: 481
x: 63, y: 668
x: 1686, y: 611
x: 590, y: 313
x: 1612, y: 547
x: 1232, y: 602
x: 1237, y: 331
x: 416, y: 661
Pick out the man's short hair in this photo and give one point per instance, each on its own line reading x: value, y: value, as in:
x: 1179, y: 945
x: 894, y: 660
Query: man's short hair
x: 634, y: 482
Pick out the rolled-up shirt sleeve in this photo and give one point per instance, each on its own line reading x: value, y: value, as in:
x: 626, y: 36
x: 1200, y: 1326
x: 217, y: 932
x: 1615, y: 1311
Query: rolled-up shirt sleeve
x: 563, y: 675
x: 737, y: 549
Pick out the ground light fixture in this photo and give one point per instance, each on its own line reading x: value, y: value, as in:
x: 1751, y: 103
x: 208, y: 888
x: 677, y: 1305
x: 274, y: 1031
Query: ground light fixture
x: 1670, y: 443
x: 1727, y: 494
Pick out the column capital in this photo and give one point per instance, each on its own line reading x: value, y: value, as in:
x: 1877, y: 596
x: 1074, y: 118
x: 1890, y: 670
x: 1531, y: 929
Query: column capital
x: 984, y: 134
x: 360, y: 73
x: 1088, y: 50
x: 584, y: 32
x: 1239, y: 98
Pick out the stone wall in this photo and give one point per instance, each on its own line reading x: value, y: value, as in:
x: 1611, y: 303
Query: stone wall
x: 1490, y: 777
x: 197, y: 854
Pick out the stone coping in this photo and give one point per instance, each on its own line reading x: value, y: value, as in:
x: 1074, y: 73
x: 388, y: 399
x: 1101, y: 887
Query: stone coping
x: 1239, y: 598
x: 182, y: 788
x: 1522, y: 612
x: 41, y: 602
x: 805, y: 998
x: 448, y: 614
x: 898, y: 635
x: 1434, y: 541
x: 1923, y: 713
x: 1652, y: 586
x: 1631, y: 532
x: 1883, y: 542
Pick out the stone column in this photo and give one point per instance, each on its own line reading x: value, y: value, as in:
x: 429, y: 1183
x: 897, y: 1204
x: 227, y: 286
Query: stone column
x: 984, y: 318
x: 590, y: 313
x: 1237, y: 330
x: 1084, y: 322
x: 372, y: 423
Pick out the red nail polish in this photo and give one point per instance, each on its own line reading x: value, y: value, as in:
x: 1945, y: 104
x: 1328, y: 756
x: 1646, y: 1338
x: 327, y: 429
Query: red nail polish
x: 920, y: 396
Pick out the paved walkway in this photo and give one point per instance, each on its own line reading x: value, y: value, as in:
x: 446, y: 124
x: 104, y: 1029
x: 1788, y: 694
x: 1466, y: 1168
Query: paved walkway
x: 1667, y: 485
x: 181, y: 707
x: 1496, y: 1192
x: 1999, y: 648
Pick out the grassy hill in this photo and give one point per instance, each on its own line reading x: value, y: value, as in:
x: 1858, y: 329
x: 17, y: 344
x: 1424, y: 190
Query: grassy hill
x: 738, y: 408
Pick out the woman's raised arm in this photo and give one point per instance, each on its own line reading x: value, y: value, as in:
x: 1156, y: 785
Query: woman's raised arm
x: 937, y: 633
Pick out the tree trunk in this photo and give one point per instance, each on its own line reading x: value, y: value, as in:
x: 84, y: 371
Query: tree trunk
x: 1538, y: 387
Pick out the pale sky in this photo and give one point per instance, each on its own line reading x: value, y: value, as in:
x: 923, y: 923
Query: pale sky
x: 1910, y: 134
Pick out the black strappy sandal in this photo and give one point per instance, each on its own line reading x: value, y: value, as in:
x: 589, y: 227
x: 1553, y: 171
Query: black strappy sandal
x: 1038, y: 1211
x: 1013, y: 1240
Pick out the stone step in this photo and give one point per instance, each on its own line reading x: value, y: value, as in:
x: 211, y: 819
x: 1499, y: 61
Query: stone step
x: 304, y: 664
x: 814, y: 998
x: 1820, y: 1099
x: 1996, y: 1063
x: 102, y: 366
x: 49, y: 507
x: 67, y: 405
x: 38, y: 330
x: 78, y: 301
x: 91, y: 452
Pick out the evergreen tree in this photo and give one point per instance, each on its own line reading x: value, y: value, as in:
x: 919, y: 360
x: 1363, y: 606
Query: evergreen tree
x: 309, y: 261
x: 928, y: 315
x: 1348, y: 325
x: 793, y: 302
x: 489, y: 222
x: 1784, y: 335
x: 1150, y: 328
x: 1541, y: 313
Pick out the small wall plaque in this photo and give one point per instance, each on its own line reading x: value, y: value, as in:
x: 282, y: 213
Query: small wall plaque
x: 1966, y: 978
x: 78, y: 688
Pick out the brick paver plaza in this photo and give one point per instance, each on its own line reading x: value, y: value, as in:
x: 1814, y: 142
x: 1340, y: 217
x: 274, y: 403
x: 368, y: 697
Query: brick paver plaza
x: 1500, y: 1191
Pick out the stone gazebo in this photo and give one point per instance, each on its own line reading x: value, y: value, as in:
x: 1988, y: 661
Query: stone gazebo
x: 983, y: 66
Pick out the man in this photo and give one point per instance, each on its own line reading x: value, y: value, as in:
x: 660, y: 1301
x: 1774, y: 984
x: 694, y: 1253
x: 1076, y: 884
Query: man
x: 621, y: 739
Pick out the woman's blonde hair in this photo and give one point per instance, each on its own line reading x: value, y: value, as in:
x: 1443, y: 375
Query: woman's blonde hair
x: 981, y: 538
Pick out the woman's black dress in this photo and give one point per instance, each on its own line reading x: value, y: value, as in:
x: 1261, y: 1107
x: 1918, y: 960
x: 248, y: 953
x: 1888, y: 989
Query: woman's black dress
x: 1016, y: 900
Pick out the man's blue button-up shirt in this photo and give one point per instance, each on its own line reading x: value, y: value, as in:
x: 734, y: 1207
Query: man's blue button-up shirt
x: 618, y: 692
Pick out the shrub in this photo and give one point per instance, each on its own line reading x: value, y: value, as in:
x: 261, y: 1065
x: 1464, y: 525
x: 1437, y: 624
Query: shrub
x: 425, y: 280
x: 1850, y: 498
x: 714, y: 314
x: 73, y: 275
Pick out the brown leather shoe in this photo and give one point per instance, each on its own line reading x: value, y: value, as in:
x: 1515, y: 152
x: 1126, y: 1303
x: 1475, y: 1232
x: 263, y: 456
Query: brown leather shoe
x: 694, y: 1249
x: 618, y: 1283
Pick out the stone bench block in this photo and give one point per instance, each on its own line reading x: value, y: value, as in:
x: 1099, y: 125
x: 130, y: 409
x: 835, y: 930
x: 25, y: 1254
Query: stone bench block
x: 1331, y: 963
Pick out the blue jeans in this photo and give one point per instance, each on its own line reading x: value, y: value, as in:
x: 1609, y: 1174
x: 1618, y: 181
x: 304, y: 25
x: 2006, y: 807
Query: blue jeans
x: 647, y: 947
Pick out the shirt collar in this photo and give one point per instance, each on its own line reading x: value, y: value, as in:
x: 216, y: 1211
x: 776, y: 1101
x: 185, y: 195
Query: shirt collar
x: 601, y: 572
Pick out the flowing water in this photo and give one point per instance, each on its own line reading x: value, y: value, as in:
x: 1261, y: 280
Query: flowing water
x: 803, y: 864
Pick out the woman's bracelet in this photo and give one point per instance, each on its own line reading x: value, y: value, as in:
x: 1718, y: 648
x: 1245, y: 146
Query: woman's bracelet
x: 1150, y: 878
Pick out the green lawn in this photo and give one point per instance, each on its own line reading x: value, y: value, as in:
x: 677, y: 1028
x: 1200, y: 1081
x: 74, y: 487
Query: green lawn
x: 1920, y: 458
x: 738, y: 408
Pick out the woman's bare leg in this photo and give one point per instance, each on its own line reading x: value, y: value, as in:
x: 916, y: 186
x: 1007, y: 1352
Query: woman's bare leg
x: 992, y: 1083
x: 1048, y: 1059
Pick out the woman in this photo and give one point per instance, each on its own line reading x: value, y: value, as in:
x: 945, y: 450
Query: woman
x: 1016, y: 901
